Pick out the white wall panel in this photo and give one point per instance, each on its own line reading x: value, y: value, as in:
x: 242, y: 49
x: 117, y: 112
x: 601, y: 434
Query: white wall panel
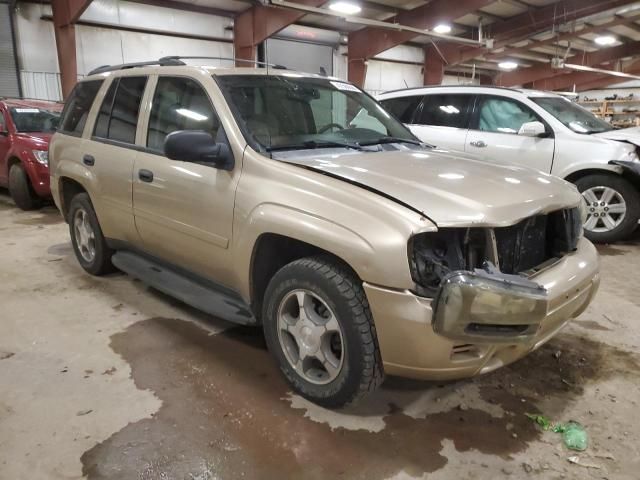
x: 35, y: 38
x: 383, y: 76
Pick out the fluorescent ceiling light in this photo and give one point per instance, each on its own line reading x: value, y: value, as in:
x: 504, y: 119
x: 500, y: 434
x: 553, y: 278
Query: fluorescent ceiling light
x: 191, y: 114
x: 442, y: 28
x: 605, y: 40
x: 347, y: 8
x: 508, y: 65
x: 614, y: 73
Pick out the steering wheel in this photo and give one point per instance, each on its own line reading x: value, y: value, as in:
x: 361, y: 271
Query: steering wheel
x: 329, y: 126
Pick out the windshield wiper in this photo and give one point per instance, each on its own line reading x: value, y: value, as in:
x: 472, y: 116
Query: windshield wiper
x: 386, y: 139
x: 312, y: 144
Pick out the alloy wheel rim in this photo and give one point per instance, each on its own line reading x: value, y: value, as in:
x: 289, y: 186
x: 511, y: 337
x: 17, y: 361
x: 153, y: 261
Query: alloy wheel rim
x: 606, y: 209
x: 84, y: 235
x: 310, y: 337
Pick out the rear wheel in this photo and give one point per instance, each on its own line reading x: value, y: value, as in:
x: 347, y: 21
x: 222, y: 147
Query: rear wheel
x: 21, y: 190
x: 613, y: 207
x: 319, y: 327
x: 89, y: 244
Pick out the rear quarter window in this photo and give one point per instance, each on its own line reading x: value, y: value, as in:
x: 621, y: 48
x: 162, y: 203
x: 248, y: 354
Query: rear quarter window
x: 449, y: 110
x: 76, y: 110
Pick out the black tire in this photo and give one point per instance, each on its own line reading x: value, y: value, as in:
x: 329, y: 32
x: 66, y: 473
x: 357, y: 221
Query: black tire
x: 342, y: 291
x: 21, y: 190
x: 101, y: 262
x: 631, y: 198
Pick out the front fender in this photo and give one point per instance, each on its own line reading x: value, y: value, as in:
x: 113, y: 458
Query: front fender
x: 632, y: 169
x: 353, y: 248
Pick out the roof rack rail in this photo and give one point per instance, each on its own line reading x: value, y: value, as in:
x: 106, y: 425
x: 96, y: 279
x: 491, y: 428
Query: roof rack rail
x: 175, y: 60
x: 239, y: 60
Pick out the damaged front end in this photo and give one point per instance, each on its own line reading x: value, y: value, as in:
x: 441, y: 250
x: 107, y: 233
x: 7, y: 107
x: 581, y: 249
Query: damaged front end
x: 480, y: 278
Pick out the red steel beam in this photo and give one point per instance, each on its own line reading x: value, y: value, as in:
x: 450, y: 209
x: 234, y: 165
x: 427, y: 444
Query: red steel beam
x: 371, y: 41
x: 568, y: 79
x: 531, y: 74
x: 530, y: 23
x: 65, y: 14
x: 617, y: 21
x: 260, y: 22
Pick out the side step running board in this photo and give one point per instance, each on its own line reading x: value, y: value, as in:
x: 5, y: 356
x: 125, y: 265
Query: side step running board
x: 218, y: 302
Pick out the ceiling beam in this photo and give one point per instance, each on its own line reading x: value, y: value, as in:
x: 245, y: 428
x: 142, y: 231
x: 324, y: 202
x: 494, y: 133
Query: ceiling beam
x: 526, y: 75
x: 370, y: 41
x: 618, y: 20
x: 524, y: 25
x: 189, y: 7
x: 260, y: 22
x: 567, y: 79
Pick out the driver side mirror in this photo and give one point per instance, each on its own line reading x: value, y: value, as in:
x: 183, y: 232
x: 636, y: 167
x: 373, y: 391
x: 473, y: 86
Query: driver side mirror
x: 533, y: 129
x: 198, y: 146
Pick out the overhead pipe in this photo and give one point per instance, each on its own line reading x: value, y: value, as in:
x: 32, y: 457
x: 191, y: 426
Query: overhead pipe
x: 374, y: 23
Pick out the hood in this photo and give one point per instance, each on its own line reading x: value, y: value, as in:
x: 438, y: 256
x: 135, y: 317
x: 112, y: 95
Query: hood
x: 35, y: 139
x: 448, y: 189
x: 631, y: 135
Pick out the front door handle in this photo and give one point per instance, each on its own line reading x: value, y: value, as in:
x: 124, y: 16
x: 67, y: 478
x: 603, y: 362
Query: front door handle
x: 478, y: 144
x: 89, y: 160
x: 145, y: 175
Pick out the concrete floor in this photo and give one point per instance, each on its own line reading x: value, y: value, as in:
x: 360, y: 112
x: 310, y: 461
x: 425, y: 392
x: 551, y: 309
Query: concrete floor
x: 106, y: 379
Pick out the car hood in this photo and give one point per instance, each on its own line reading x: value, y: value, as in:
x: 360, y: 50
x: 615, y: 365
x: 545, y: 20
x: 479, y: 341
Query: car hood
x: 631, y: 135
x: 450, y: 190
x: 35, y: 139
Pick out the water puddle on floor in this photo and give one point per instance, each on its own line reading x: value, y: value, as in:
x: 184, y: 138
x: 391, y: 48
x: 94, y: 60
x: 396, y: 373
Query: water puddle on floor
x: 227, y: 412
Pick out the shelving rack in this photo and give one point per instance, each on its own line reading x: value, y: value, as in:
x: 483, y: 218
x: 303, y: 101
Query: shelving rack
x: 611, y: 109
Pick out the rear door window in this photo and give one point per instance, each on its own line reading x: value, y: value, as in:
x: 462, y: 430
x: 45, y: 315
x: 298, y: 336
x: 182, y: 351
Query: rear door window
x: 118, y: 116
x: 76, y: 110
x: 179, y: 103
x: 448, y: 110
x: 403, y: 108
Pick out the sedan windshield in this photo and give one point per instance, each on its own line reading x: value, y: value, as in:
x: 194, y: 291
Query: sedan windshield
x: 573, y: 116
x: 32, y: 119
x: 283, y: 112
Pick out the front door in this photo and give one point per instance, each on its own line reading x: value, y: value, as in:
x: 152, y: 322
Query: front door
x: 5, y: 144
x: 493, y: 135
x: 183, y: 210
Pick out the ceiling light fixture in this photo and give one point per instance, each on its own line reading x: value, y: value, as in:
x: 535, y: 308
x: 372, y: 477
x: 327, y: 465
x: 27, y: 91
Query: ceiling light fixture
x: 348, y: 8
x: 442, y: 29
x: 605, y: 40
x: 508, y: 65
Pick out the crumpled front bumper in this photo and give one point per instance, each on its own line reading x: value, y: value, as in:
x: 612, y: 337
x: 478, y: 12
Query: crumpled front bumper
x: 411, y: 347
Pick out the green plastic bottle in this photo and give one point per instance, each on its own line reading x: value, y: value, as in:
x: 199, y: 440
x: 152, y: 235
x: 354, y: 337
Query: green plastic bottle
x: 574, y: 436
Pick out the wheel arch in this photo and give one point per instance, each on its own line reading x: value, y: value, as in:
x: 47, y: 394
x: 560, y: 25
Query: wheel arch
x: 575, y: 176
x: 271, y: 252
x: 69, y: 188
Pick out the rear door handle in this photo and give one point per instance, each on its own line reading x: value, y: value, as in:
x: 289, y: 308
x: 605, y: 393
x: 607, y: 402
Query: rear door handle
x: 478, y: 144
x: 89, y: 160
x: 145, y: 175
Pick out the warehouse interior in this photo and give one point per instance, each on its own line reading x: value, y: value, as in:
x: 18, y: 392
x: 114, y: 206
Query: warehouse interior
x: 106, y: 377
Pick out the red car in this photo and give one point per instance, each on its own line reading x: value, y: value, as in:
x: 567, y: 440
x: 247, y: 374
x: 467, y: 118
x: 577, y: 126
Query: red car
x: 26, y: 126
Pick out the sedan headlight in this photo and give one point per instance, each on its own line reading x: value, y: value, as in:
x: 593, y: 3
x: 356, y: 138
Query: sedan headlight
x: 41, y: 156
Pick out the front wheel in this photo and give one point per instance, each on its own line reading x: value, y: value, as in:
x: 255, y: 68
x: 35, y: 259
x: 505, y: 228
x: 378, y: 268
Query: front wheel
x: 318, y: 325
x: 21, y: 190
x: 613, y: 207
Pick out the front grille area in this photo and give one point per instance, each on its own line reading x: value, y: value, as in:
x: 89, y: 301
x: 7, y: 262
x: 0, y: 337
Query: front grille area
x: 535, y: 240
x: 519, y: 248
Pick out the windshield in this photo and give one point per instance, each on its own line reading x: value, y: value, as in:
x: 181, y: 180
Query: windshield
x: 573, y: 116
x: 286, y: 112
x: 32, y: 119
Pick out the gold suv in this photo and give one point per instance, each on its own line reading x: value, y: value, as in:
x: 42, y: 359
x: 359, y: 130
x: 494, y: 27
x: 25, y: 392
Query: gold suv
x: 296, y: 203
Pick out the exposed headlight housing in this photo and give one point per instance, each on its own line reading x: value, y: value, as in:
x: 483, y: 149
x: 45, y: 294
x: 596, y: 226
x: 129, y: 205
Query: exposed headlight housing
x: 41, y: 156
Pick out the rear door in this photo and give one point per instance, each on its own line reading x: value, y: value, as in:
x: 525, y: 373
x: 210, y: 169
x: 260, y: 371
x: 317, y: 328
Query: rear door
x: 443, y: 119
x: 110, y: 155
x: 493, y: 135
